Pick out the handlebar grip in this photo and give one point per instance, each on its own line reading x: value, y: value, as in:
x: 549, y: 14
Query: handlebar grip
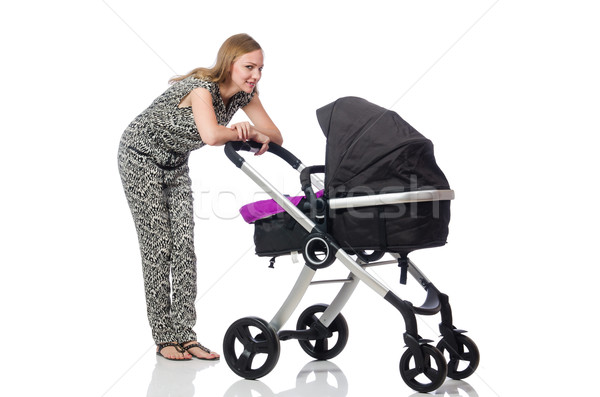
x: 231, y: 149
x: 306, y: 173
x: 307, y: 185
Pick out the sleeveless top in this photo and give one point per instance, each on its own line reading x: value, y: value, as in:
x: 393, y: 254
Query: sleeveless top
x: 167, y: 133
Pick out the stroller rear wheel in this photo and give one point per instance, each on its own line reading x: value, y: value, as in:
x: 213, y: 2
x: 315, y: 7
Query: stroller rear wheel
x: 430, y: 376
x: 467, y: 352
x: 251, y: 347
x: 320, y: 348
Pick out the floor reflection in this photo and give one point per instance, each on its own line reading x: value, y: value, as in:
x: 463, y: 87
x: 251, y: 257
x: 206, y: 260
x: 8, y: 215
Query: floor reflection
x: 317, y: 378
x: 170, y: 378
x: 325, y: 379
x: 452, y: 388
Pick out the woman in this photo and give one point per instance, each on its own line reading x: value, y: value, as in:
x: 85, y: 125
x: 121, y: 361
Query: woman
x: 153, y: 154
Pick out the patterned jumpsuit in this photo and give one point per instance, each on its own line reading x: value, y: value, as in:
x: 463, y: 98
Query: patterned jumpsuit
x: 153, y: 156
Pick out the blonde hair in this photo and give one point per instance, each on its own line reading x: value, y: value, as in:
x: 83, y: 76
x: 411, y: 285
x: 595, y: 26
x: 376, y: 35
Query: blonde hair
x: 233, y: 48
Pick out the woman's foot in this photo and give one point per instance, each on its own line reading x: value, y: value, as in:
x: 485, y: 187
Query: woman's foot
x: 198, y: 351
x: 172, y: 351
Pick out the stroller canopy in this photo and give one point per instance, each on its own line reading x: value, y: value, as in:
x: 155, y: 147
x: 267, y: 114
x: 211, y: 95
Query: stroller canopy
x: 372, y: 150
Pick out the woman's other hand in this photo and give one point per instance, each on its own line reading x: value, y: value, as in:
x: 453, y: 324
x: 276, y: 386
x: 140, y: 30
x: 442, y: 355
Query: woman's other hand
x: 261, y: 138
x: 246, y: 131
x: 243, y: 130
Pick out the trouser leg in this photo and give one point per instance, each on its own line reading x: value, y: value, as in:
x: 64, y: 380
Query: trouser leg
x: 143, y: 184
x: 178, y: 192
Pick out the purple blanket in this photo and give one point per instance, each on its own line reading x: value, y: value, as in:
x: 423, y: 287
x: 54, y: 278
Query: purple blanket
x: 265, y: 208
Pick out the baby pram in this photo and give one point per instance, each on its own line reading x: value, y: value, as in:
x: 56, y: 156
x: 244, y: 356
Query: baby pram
x: 383, y: 194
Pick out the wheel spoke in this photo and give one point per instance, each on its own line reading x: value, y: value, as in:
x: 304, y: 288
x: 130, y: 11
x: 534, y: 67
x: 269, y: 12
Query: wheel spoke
x: 452, y: 351
x: 243, y: 335
x: 412, y: 373
x: 322, y: 345
x: 337, y: 331
x: 453, y: 365
x: 308, y: 321
x: 431, y: 374
x: 262, y: 347
x: 244, y: 362
x: 461, y: 349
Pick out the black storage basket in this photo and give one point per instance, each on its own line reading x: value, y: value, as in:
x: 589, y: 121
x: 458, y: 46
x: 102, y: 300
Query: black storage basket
x: 391, y: 228
x: 278, y: 234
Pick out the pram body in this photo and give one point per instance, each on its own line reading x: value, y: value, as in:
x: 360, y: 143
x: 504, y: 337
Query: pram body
x: 383, y: 193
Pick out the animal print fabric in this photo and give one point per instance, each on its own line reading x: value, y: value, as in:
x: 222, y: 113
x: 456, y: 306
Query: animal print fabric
x: 152, y: 158
x: 168, y: 133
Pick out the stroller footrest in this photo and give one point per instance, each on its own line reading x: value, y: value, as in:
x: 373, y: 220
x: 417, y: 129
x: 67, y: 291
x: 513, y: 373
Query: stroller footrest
x: 432, y: 304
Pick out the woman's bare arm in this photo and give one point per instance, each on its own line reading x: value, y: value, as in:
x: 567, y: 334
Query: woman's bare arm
x: 261, y: 120
x: 206, y: 121
x: 214, y: 134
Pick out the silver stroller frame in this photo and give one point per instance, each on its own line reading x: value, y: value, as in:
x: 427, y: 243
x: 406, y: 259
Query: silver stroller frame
x: 423, y: 367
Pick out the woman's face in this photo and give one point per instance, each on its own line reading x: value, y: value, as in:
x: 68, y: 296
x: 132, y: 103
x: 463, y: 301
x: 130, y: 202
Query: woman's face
x: 247, y: 70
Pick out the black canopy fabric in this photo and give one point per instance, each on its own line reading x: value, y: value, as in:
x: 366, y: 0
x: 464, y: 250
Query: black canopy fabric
x: 372, y: 150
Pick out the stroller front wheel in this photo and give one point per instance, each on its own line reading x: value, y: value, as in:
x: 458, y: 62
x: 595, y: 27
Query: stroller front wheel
x: 251, y: 347
x: 463, y: 362
x: 428, y: 377
x: 329, y: 347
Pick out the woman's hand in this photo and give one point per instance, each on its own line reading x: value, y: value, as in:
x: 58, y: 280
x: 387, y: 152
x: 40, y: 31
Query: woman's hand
x: 261, y: 138
x: 246, y: 131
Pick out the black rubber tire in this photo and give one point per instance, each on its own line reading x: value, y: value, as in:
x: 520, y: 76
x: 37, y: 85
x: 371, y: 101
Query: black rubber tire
x: 467, y: 352
x: 435, y: 375
x: 319, y: 348
x: 265, y: 342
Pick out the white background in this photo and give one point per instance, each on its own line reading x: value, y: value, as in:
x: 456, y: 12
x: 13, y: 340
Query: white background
x: 506, y: 90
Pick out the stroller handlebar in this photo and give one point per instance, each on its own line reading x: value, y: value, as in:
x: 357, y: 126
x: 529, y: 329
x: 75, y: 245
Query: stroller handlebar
x: 306, y: 182
x: 231, y: 149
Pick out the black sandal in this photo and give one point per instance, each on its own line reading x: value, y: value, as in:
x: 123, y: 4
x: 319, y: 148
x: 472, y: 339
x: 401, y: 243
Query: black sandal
x: 177, y: 347
x: 196, y: 344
